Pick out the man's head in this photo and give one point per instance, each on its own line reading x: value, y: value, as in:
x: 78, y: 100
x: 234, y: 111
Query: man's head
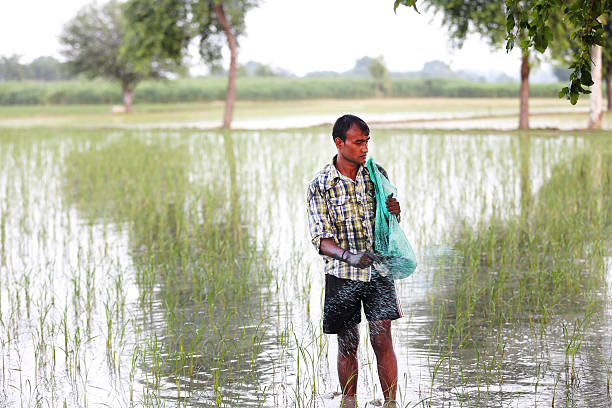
x: 344, y: 123
x: 351, y: 135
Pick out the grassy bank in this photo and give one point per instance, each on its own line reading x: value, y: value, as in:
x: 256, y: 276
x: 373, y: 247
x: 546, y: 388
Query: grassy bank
x: 308, y: 112
x: 257, y: 89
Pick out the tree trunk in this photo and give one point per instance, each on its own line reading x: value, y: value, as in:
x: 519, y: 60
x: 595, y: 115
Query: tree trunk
x: 231, y: 79
x: 596, y: 99
x: 524, y: 95
x: 525, y: 184
x: 608, y: 90
x: 128, y: 98
x: 608, y: 93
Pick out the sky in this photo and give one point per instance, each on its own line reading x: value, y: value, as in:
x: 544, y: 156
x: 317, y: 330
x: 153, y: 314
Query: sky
x: 296, y: 35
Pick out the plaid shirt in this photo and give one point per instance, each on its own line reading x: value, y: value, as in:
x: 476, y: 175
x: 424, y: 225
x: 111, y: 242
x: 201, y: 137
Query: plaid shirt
x: 342, y: 209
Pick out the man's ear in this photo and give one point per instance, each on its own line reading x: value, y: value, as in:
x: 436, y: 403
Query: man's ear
x: 338, y: 142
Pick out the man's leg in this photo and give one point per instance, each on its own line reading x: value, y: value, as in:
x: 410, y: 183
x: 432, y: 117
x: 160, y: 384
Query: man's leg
x: 380, y: 337
x: 348, y: 341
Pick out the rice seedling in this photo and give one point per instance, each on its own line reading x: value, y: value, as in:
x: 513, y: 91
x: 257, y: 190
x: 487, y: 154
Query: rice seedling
x: 173, y: 268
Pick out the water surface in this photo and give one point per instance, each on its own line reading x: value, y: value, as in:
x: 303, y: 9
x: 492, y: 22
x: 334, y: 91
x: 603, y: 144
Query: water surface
x: 91, y: 313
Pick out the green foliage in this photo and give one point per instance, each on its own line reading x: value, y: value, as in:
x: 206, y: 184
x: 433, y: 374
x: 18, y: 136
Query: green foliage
x: 380, y: 74
x: 256, y: 88
x: 11, y: 69
x: 264, y: 70
x: 485, y: 17
x: 93, y: 40
x: 530, y: 25
x: 565, y: 47
x: 584, y: 19
x: 42, y: 68
x: 164, y: 28
x: 48, y: 69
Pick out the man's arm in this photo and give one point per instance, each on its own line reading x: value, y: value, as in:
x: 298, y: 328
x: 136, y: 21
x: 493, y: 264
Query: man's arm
x: 392, y: 204
x: 359, y: 260
x: 319, y: 221
x: 323, y: 232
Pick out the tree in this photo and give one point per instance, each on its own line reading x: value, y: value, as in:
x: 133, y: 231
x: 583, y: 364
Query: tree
x: 362, y: 67
x: 586, y: 19
x: 378, y: 71
x: 528, y: 23
x: 48, y: 69
x: 607, y: 61
x: 607, y: 73
x: 487, y: 18
x: 11, y: 69
x: 258, y: 69
x: 93, y: 42
x: 596, y: 111
x: 437, y: 68
x: 165, y: 28
x: 565, y: 48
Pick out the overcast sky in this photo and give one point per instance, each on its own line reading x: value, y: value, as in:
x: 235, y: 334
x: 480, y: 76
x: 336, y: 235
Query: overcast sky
x: 297, y: 35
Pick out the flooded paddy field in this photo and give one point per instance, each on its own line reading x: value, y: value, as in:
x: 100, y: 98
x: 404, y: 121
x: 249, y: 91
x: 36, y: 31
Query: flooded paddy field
x: 174, y: 268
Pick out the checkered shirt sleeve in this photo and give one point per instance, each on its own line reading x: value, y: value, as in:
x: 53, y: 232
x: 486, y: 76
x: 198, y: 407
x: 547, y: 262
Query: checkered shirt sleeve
x: 318, y: 217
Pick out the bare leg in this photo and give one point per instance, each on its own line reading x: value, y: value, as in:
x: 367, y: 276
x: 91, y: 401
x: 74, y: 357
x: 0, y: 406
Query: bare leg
x: 380, y: 337
x: 348, y: 341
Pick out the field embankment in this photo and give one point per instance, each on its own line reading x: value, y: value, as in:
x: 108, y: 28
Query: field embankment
x: 421, y: 113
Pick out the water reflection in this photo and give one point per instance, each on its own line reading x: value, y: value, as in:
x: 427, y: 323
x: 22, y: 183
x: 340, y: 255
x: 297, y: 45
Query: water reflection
x: 188, y: 254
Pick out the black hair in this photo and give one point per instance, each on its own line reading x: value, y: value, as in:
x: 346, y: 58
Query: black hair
x: 344, y: 123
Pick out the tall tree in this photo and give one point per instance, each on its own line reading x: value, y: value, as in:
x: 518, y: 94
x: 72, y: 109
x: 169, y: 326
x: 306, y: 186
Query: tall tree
x: 93, y: 42
x: 165, y: 28
x: 487, y: 18
x: 528, y: 23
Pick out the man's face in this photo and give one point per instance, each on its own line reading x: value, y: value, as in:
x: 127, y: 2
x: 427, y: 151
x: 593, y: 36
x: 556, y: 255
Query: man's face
x: 355, y: 148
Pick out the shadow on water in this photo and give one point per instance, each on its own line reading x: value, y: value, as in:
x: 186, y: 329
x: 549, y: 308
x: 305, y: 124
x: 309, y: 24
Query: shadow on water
x: 522, y: 316
x: 201, y: 276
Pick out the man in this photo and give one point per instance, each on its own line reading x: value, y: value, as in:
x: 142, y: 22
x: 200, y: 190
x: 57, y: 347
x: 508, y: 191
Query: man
x: 341, y: 211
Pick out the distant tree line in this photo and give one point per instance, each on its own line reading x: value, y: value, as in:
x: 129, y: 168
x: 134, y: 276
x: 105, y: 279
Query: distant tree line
x: 40, y: 69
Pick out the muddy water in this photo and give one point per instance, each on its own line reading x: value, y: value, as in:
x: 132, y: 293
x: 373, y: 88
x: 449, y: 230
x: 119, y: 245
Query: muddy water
x: 62, y: 275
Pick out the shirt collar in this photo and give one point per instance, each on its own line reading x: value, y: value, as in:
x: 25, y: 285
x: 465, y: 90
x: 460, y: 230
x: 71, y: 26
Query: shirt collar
x: 333, y: 174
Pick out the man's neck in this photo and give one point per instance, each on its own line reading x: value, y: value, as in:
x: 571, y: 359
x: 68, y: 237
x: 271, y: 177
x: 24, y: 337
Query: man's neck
x: 346, y: 168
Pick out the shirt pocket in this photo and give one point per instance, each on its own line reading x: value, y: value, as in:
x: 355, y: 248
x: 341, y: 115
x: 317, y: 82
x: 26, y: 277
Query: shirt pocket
x: 338, y: 206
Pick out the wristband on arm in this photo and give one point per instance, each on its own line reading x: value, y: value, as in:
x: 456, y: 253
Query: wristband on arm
x: 342, y: 256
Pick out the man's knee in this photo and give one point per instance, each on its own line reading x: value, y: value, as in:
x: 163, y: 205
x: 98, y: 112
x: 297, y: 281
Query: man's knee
x: 380, y: 336
x: 348, y: 342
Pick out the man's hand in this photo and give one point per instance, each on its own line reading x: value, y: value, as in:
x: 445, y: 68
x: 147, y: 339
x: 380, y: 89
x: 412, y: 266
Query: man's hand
x: 360, y: 259
x: 393, y: 205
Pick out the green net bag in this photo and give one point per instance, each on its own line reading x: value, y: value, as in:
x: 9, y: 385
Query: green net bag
x: 394, y: 252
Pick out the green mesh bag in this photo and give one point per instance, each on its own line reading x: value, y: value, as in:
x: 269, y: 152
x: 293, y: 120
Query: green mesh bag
x: 394, y: 252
